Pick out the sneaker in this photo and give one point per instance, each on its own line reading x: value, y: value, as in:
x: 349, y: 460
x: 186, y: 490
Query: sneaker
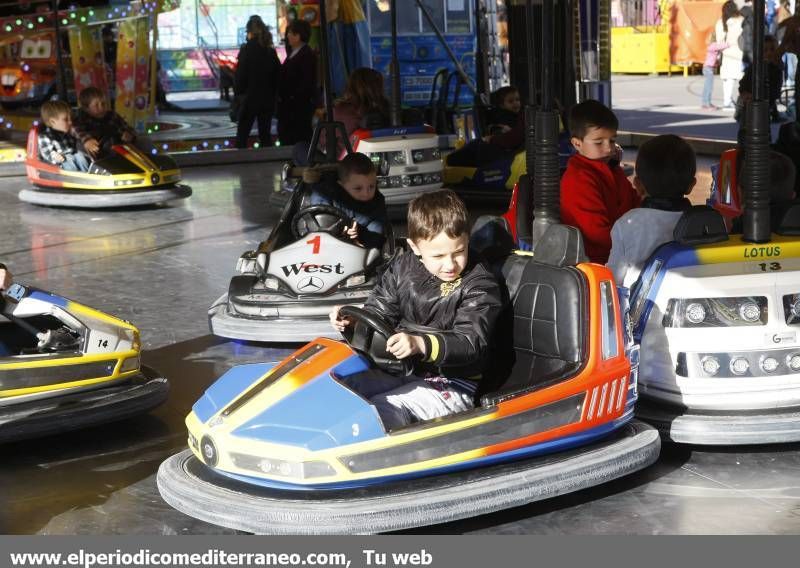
x: 709, y: 107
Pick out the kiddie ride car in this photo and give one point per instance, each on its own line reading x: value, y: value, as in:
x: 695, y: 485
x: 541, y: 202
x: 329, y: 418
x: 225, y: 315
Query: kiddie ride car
x: 65, y: 366
x: 290, y: 448
x: 289, y: 284
x: 407, y: 159
x: 496, y: 181
x: 717, y: 318
x: 27, y: 70
x: 124, y: 177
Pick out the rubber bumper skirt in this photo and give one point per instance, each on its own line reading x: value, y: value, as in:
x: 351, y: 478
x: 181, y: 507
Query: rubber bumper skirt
x: 278, y: 330
x: 196, y: 490
x: 721, y: 428
x: 103, y: 199
x: 86, y: 408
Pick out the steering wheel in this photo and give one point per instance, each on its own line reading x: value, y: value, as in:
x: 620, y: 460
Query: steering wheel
x: 319, y: 219
x: 368, y: 334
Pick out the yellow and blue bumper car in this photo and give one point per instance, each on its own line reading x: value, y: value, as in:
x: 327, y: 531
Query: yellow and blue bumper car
x: 291, y: 448
x: 65, y: 366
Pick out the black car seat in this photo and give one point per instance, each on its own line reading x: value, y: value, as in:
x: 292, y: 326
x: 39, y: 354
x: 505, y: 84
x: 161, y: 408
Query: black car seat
x: 543, y: 333
x: 700, y: 225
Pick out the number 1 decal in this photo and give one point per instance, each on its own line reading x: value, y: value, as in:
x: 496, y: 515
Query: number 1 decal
x: 315, y: 242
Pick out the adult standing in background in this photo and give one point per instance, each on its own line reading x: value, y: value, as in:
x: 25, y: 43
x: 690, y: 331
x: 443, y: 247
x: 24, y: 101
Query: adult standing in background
x: 256, y: 81
x: 746, y: 43
x: 297, y: 91
x: 728, y: 29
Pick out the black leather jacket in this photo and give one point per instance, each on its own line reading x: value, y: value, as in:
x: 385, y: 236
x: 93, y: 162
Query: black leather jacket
x: 456, y: 320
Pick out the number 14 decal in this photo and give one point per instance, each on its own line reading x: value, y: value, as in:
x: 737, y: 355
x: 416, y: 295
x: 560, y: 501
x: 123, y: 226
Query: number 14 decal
x: 315, y: 242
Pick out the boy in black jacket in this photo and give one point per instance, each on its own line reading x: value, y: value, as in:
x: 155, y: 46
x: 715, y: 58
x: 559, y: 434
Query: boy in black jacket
x: 445, y: 305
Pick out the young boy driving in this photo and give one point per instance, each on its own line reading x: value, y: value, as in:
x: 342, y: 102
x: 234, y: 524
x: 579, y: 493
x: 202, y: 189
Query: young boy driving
x: 594, y: 189
x: 355, y: 194
x: 57, y: 145
x: 444, y: 303
x: 96, y: 125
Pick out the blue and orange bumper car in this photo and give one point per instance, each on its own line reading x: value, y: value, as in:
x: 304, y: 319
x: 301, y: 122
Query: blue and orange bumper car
x: 65, y: 366
x: 290, y: 448
x: 124, y: 177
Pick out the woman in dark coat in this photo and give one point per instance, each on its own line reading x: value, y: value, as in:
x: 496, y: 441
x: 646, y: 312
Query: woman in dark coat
x: 257, y: 79
x: 297, y: 91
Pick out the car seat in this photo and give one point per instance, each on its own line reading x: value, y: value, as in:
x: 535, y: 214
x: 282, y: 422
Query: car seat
x: 543, y: 333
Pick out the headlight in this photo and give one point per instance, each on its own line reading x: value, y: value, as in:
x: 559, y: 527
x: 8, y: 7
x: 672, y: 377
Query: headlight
x: 396, y: 158
x: 793, y: 361
x: 356, y: 280
x: 271, y: 283
x: 695, y: 313
x: 710, y: 365
x: 283, y: 468
x: 750, y: 312
x: 791, y: 308
x: 716, y: 312
x: 246, y: 265
x: 769, y: 364
x: 739, y: 366
x: 129, y: 364
x: 418, y: 155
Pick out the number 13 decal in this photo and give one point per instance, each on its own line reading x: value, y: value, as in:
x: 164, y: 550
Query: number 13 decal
x: 315, y: 242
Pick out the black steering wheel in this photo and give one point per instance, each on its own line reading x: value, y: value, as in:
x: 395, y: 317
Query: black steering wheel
x: 319, y: 218
x: 368, y: 334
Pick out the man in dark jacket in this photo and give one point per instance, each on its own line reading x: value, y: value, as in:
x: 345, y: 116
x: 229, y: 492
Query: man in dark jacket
x: 445, y: 305
x: 255, y: 83
x: 297, y: 92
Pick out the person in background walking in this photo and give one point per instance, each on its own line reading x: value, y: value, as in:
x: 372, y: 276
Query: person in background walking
x: 727, y: 30
x: 256, y: 82
x: 297, y: 91
x: 713, y: 50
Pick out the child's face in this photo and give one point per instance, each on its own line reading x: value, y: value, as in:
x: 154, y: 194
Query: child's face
x: 97, y: 108
x: 512, y: 102
x: 598, y: 144
x: 62, y: 122
x: 359, y: 186
x: 443, y: 256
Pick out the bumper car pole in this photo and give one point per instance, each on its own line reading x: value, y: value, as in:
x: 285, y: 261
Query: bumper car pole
x: 544, y: 130
x: 329, y: 125
x: 394, y: 67
x: 756, y: 141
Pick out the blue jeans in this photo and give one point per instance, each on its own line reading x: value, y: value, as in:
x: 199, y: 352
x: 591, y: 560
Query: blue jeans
x: 708, y: 85
x: 77, y: 162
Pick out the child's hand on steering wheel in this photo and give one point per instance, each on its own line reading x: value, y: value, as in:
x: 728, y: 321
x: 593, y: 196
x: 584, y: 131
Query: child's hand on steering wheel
x: 403, y: 345
x: 338, y: 323
x: 92, y: 146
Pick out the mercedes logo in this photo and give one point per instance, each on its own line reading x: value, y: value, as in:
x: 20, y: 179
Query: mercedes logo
x: 310, y: 284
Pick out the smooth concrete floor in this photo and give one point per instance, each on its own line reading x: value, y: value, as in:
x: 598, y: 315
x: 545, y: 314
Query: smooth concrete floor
x: 162, y: 267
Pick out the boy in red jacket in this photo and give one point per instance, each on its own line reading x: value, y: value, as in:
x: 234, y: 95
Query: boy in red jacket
x: 594, y: 190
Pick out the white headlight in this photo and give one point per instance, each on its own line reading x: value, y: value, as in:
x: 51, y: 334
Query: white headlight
x: 710, y: 365
x: 739, y: 366
x: 695, y: 312
x: 769, y: 364
x: 795, y: 308
x: 356, y: 280
x: 793, y: 361
x: 271, y: 283
x: 750, y: 312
